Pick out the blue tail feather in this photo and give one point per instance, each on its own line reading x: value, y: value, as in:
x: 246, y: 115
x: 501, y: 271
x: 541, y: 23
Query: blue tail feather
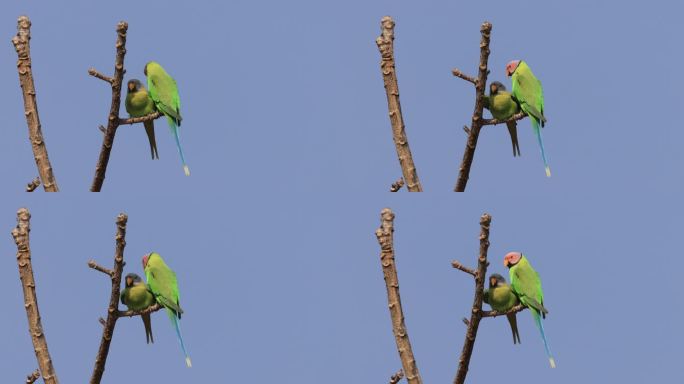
x: 176, y: 326
x: 537, y: 132
x: 174, y: 131
x: 540, y: 326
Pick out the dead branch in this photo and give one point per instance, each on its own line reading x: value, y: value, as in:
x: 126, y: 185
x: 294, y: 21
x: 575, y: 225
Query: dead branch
x: 113, y: 312
x: 35, y: 183
x: 114, y: 121
x: 476, y: 123
x: 30, y: 379
x: 40, y: 153
x: 396, y: 186
x: 385, y: 44
x: 516, y: 309
x: 28, y: 283
x: 396, y: 377
x: 141, y: 119
x: 516, y: 117
x: 385, y: 235
x: 476, y: 314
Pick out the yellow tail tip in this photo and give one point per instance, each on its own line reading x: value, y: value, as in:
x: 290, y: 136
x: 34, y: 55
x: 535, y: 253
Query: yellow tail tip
x: 552, y: 362
x: 188, y: 362
x: 548, y: 172
x: 186, y: 170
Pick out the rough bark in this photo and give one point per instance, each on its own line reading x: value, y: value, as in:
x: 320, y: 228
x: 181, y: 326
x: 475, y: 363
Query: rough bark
x: 396, y: 377
x: 386, y: 240
x: 385, y: 44
x: 40, y: 153
x: 28, y: 284
x: 476, y: 123
x: 476, y: 313
x: 30, y: 379
x: 35, y: 183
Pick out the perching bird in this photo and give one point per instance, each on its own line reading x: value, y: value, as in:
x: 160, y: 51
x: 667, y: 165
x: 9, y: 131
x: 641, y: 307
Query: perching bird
x: 526, y: 284
x: 162, y: 282
x: 501, y: 298
x: 164, y: 93
x: 502, y: 106
x: 136, y: 297
x: 527, y: 90
x: 138, y: 104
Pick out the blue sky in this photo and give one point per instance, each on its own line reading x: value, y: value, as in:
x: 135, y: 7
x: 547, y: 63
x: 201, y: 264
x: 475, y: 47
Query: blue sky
x: 286, y: 133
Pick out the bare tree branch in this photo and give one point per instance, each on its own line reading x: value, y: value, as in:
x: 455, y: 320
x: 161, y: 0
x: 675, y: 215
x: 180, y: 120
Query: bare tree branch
x: 463, y: 268
x: 114, y: 120
x: 40, y: 153
x: 386, y: 46
x: 152, y: 308
x: 516, y: 117
x: 28, y: 283
x: 141, y: 119
x: 386, y: 240
x: 396, y: 186
x: 396, y: 377
x: 113, y: 312
x: 30, y: 379
x: 516, y: 309
x: 476, y: 123
x: 35, y: 183
x: 476, y: 314
x: 92, y: 264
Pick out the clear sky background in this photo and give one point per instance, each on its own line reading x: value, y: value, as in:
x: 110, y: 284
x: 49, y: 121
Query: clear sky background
x: 286, y: 133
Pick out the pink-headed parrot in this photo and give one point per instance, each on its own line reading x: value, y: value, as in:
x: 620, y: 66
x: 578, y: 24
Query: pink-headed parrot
x: 163, y: 284
x: 501, y: 298
x: 526, y: 284
x: 164, y: 92
x: 527, y: 90
x: 139, y: 104
x: 502, y: 106
x: 136, y: 296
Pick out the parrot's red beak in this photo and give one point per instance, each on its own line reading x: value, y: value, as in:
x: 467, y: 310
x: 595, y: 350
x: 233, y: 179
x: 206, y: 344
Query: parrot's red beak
x: 131, y: 86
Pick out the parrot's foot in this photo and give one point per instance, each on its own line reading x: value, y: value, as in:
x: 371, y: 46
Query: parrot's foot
x: 552, y: 362
x: 187, y: 170
x: 189, y: 363
x: 548, y: 172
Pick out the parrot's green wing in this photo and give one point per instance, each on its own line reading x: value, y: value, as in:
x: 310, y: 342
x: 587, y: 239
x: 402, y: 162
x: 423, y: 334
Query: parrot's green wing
x: 163, y: 91
x: 527, y: 90
x: 485, y: 101
x: 527, y: 285
x: 162, y: 282
x: 486, y: 296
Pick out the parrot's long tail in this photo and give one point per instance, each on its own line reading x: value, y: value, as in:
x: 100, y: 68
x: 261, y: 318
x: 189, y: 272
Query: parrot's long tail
x: 174, y: 131
x: 176, y: 326
x: 537, y: 132
x: 540, y: 326
x: 149, y: 129
x: 147, y: 321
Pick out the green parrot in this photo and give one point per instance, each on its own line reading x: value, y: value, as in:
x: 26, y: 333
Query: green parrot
x: 164, y: 93
x: 501, y: 298
x: 502, y: 106
x: 527, y: 90
x: 137, y: 297
x: 138, y: 104
x: 162, y: 282
x: 526, y: 284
